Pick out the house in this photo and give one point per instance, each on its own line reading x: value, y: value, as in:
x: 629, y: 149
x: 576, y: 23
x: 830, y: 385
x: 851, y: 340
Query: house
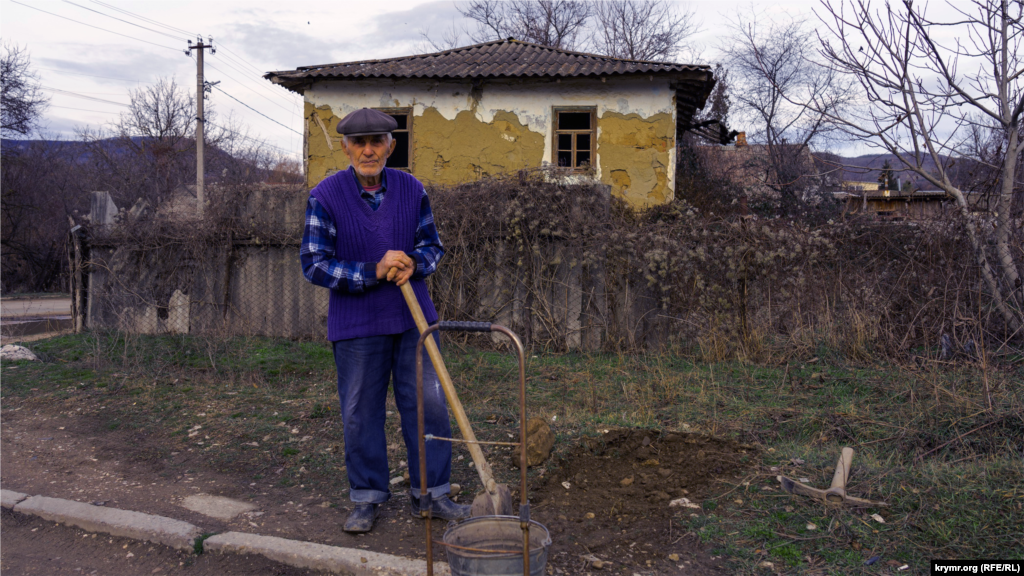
x: 505, y: 105
x: 870, y: 199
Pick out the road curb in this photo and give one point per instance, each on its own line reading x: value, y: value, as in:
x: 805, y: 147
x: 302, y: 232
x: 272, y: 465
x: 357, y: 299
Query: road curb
x: 320, y: 556
x: 9, y: 498
x: 182, y: 535
x: 136, y: 525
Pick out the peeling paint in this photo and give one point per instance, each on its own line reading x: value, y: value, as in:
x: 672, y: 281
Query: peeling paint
x: 634, y: 153
x: 324, y: 154
x: 468, y: 149
x: 463, y: 131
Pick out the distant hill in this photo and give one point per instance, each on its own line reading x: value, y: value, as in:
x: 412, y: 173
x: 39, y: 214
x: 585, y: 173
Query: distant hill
x: 76, y: 149
x: 79, y: 152
x: 868, y: 168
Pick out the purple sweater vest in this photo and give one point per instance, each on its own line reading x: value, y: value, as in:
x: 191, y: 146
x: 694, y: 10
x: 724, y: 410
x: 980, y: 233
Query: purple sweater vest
x: 364, y: 235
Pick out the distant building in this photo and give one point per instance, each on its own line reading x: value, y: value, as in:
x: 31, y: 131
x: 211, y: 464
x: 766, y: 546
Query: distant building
x: 505, y: 105
x: 869, y: 199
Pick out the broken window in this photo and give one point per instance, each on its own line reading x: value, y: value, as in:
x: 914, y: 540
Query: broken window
x: 401, y: 158
x: 575, y: 134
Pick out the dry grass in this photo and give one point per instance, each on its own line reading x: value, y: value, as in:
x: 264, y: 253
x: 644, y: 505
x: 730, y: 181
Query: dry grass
x: 926, y: 440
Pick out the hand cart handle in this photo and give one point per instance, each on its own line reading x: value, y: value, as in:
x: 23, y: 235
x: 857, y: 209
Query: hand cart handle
x: 464, y: 326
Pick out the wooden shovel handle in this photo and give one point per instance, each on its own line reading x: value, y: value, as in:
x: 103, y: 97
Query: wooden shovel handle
x: 837, y: 492
x: 482, y: 468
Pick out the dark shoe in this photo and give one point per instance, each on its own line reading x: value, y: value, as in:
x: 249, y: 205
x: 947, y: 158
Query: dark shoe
x: 442, y: 508
x: 361, y: 518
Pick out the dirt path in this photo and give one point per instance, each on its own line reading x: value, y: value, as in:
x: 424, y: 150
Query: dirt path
x: 628, y: 525
x: 75, y: 457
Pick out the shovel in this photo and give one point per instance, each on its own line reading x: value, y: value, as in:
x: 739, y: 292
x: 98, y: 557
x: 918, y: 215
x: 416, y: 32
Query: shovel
x: 496, y: 498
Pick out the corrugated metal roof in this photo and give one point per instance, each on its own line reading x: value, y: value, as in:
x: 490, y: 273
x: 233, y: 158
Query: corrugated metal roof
x: 497, y: 59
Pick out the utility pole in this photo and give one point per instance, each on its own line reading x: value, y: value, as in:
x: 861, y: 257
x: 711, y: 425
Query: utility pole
x: 200, y: 119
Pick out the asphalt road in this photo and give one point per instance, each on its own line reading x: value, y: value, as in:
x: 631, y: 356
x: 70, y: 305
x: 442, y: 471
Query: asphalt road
x: 11, y: 309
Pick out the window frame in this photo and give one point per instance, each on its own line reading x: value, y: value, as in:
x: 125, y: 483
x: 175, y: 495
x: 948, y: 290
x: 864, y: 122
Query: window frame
x: 555, y: 111
x: 407, y: 112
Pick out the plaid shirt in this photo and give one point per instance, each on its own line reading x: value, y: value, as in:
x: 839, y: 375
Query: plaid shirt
x: 318, y: 239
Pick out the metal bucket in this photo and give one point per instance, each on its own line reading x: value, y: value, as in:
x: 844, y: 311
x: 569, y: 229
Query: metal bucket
x: 493, y: 546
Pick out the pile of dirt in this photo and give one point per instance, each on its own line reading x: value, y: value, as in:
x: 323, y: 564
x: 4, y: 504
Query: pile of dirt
x: 616, y: 508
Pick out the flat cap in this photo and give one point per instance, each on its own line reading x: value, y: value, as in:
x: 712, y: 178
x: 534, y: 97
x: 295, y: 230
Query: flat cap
x: 366, y: 121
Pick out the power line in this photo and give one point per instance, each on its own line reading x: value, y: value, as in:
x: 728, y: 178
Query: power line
x: 239, y: 60
x: 227, y: 53
x: 102, y: 93
x: 257, y: 111
x: 251, y: 139
x: 91, y: 75
x: 237, y: 65
x: 243, y: 103
x: 96, y: 27
x: 122, y: 20
x: 144, y: 19
x: 77, y: 95
x: 243, y: 86
x: 243, y: 60
x: 84, y: 109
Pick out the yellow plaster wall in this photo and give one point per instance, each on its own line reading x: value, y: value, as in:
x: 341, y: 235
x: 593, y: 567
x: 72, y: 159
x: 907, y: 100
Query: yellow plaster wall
x: 466, y: 149
x: 324, y: 152
x: 444, y: 151
x: 633, y: 153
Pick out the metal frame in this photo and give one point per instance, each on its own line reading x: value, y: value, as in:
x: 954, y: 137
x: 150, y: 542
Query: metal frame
x: 424, y: 500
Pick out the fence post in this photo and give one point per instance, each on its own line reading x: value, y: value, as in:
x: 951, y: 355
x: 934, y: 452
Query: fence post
x: 75, y: 261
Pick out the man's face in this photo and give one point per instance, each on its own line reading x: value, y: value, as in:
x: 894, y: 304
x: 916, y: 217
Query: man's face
x: 368, y: 153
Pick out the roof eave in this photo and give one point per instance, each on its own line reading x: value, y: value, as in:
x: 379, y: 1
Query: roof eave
x: 298, y: 83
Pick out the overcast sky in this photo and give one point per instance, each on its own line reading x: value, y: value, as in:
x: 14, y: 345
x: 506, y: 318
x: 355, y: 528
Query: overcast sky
x: 98, y: 50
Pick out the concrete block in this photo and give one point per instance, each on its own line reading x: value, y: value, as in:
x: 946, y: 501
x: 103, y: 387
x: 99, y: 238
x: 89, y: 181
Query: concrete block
x: 136, y: 525
x: 102, y: 210
x: 321, y: 556
x: 8, y: 498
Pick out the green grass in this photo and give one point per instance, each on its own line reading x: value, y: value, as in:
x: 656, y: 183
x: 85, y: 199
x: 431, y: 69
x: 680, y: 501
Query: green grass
x: 35, y: 295
x: 927, y: 443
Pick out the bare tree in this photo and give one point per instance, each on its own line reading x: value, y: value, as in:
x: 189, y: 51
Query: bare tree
x: 642, y: 29
x: 631, y: 29
x: 555, y: 23
x: 30, y: 252
x: 979, y: 166
x: 788, y: 97
x: 40, y: 185
x: 21, y: 102
x: 449, y: 38
x: 923, y: 100
x: 149, y: 151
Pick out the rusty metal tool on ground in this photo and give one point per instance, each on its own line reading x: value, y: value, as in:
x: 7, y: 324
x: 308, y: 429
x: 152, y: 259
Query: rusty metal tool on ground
x: 496, y: 498
x: 836, y: 494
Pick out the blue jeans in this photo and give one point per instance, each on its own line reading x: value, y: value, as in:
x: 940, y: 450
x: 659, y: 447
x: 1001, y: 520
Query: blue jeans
x: 365, y: 366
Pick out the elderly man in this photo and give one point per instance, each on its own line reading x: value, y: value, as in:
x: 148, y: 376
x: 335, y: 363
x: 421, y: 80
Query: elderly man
x: 369, y: 229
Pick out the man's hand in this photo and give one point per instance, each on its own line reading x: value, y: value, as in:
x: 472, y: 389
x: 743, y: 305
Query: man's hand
x: 396, y: 266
